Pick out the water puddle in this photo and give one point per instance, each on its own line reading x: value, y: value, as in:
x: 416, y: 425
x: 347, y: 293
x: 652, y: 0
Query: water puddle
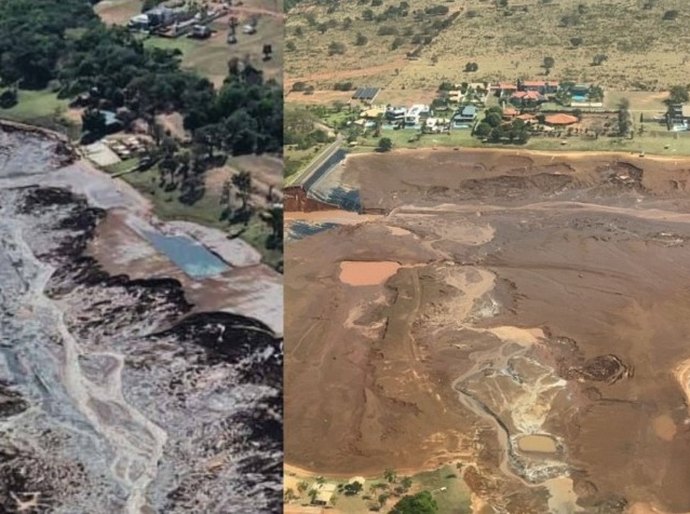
x: 189, y: 255
x: 367, y: 273
x: 537, y: 443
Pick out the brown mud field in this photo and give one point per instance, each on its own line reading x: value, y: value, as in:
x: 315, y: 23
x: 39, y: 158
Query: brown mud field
x: 536, y: 330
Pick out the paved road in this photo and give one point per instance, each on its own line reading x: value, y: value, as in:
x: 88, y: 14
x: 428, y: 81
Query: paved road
x: 316, y: 168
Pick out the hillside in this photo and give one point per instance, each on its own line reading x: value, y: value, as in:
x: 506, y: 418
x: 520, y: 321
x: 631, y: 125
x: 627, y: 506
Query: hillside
x: 646, y: 42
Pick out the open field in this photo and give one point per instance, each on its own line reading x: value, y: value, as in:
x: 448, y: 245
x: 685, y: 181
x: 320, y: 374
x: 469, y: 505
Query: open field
x: 42, y: 108
x: 533, y: 331
x: 118, y: 12
x: 645, y: 52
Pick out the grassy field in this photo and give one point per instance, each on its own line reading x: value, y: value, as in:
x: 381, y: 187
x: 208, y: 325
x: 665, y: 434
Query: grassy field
x: 206, y: 211
x: 645, y: 52
x: 654, y: 141
x: 42, y: 108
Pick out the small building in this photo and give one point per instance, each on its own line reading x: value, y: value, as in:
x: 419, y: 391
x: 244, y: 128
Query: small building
x: 324, y: 494
x: 112, y: 122
x: 560, y: 120
x: 157, y: 17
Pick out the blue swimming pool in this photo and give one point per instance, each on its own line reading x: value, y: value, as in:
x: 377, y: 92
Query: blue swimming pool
x: 189, y: 255
x: 579, y: 98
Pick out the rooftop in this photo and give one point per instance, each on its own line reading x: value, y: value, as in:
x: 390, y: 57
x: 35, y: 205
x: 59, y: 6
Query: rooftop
x: 561, y: 119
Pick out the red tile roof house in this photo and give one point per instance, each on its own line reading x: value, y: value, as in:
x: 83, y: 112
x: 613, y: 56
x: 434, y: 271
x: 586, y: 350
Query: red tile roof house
x: 510, y: 112
x: 522, y: 98
x: 545, y: 87
x: 505, y: 88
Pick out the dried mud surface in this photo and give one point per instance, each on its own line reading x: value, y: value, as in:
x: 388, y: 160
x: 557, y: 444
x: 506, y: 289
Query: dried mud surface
x: 536, y: 330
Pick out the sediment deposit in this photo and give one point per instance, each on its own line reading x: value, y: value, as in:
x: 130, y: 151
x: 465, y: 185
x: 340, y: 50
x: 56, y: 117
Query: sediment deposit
x: 535, y: 331
x: 118, y: 392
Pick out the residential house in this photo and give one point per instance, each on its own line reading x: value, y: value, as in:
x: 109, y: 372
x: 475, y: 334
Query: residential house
x: 436, y: 125
x: 678, y: 117
x: 543, y: 87
x: 395, y: 114
x: 505, y: 89
x: 416, y: 113
x: 465, y: 117
x: 527, y: 98
x: 510, y: 112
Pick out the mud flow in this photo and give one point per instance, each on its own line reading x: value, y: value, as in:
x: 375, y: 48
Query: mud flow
x: 524, y: 315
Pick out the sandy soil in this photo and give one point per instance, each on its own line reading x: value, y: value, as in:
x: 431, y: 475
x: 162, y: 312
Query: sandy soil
x: 537, y: 295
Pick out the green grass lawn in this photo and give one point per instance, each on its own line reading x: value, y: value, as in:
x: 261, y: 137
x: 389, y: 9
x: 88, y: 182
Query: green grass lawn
x: 42, y: 108
x: 654, y: 142
x: 205, y: 211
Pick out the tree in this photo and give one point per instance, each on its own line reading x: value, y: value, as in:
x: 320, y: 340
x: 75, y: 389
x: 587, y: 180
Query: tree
x: 390, y: 475
x: 352, y: 489
x: 624, y: 122
x: 406, y: 483
x: 548, y: 63
x: 8, y: 98
x: 313, y: 493
x: 677, y: 95
x: 275, y: 221
x: 599, y: 59
x: 383, y: 498
x: 335, y: 48
x: 420, y: 503
x: 93, y: 121
x: 385, y: 145
x: 302, y: 486
x: 243, y: 183
x: 483, y: 129
x: 471, y: 67
x: 361, y: 39
x: 493, y: 119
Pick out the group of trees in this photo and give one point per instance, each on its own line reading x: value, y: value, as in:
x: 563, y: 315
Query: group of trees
x: 496, y: 130
x: 63, y: 45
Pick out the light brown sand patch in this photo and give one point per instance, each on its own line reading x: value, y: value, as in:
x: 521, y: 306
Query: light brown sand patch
x: 367, y: 273
x: 664, y: 427
x: 537, y: 443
